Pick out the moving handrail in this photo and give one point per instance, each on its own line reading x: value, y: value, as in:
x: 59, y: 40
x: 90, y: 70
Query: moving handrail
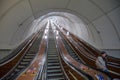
x: 37, y: 64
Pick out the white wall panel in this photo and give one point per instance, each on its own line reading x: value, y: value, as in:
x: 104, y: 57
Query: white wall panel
x: 107, y: 5
x: 5, y: 5
x: 107, y: 32
x: 41, y: 5
x: 115, y: 17
x: 113, y: 52
x: 11, y: 21
x: 95, y: 37
x: 85, y: 8
x: 22, y: 32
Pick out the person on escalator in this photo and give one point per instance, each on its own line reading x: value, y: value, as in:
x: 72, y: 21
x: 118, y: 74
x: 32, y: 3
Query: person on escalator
x: 101, y: 62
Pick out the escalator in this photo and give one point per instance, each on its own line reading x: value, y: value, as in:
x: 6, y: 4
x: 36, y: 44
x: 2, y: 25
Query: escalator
x: 25, y: 60
x: 54, y: 70
x: 90, y: 56
x: 71, y: 52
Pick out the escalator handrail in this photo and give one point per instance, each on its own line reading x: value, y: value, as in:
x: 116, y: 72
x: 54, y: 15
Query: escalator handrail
x: 41, y: 69
x: 58, y: 52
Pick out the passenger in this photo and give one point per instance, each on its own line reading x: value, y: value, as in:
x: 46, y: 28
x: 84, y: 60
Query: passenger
x: 101, y: 62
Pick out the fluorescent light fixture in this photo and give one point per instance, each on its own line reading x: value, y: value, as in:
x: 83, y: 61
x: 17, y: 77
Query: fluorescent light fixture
x: 68, y: 33
x: 45, y: 36
x: 57, y: 32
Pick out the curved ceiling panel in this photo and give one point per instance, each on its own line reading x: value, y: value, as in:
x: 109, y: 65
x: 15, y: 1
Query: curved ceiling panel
x: 101, y: 18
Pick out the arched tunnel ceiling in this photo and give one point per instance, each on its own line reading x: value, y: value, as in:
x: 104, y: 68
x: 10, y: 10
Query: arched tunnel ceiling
x: 101, y: 17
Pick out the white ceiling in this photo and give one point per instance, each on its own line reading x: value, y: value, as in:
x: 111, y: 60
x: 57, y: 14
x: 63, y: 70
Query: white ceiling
x: 101, y: 16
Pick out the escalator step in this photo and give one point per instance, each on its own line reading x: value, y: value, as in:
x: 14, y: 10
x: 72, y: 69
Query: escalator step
x: 52, y: 58
x: 53, y: 64
x: 24, y: 63
x: 52, y: 55
x: 54, y: 72
x: 54, y: 61
x: 50, y: 71
x: 57, y: 79
x: 28, y: 57
x: 20, y: 66
x: 53, y: 67
x: 26, y: 60
x: 30, y: 54
x: 55, y: 76
x: 17, y: 70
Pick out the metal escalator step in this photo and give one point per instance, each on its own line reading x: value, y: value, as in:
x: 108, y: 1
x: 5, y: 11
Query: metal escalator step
x: 51, y: 52
x: 53, y: 64
x: 21, y: 66
x: 62, y: 78
x: 55, y: 76
x: 12, y: 74
x: 52, y: 55
x: 17, y: 70
x: 52, y: 48
x: 50, y: 71
x: 59, y: 74
x: 52, y: 58
x: 56, y: 60
x: 27, y: 60
x: 30, y: 54
x: 53, y: 67
x: 28, y: 57
x: 54, y: 72
x: 24, y: 63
